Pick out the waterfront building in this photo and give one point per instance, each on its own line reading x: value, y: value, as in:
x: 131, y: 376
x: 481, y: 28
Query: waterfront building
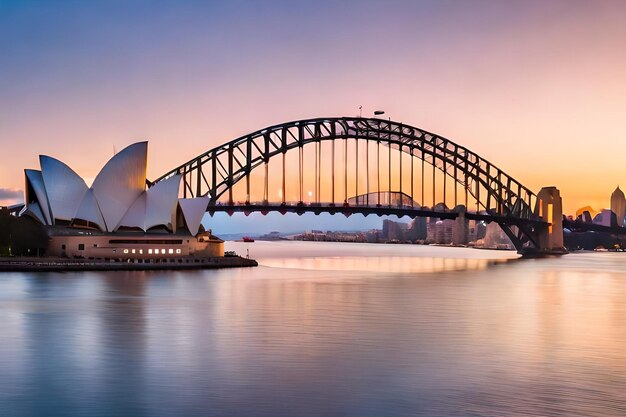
x: 480, y: 230
x: 431, y: 226
x: 417, y: 229
x: 394, y: 230
x: 476, y: 230
x: 372, y: 236
x: 618, y: 206
x: 460, y: 231
x: 605, y: 218
x: 117, y: 217
x: 444, y: 230
x: 586, y: 214
x: 496, y: 238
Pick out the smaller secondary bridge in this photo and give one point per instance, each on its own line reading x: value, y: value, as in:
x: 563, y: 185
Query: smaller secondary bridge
x: 342, y: 157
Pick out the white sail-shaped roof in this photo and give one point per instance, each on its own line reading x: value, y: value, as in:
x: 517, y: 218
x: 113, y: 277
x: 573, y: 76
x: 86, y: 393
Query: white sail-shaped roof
x: 117, y: 198
x: 162, y: 200
x: 155, y: 207
x: 193, y: 211
x: 65, y: 189
x: 136, y: 214
x: 89, y: 210
x: 33, y: 210
x: 121, y: 182
x: 34, y: 180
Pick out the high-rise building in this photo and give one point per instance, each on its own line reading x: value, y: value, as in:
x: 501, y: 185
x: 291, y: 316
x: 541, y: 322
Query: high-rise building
x: 618, y: 205
x: 431, y: 232
x: 480, y: 230
x: 443, y: 231
x: 417, y: 229
x: 460, y: 231
x: 387, y: 224
x: 393, y: 230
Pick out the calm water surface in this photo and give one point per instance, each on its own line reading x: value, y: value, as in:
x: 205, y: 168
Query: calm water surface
x: 322, y: 329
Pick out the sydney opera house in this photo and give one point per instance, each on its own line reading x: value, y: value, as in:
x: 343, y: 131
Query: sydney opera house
x: 118, y: 216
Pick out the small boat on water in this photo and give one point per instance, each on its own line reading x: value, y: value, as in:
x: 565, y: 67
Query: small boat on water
x: 246, y: 239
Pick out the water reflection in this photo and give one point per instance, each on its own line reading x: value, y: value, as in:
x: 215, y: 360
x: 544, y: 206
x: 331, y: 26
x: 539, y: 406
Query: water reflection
x: 394, y: 264
x: 470, y: 335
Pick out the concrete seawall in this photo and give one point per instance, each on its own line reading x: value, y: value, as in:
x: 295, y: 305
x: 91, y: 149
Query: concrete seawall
x: 32, y: 264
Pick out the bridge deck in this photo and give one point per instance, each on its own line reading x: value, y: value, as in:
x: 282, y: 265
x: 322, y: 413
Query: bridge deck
x: 366, y: 210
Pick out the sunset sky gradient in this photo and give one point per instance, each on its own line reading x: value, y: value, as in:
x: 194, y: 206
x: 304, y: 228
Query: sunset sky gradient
x: 536, y: 87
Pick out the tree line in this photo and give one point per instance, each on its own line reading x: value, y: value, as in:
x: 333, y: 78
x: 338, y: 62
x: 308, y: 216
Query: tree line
x: 21, y: 236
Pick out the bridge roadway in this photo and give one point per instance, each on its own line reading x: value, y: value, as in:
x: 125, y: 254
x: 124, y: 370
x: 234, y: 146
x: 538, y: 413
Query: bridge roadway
x: 379, y: 210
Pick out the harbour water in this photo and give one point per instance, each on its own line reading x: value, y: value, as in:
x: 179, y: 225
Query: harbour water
x: 321, y: 329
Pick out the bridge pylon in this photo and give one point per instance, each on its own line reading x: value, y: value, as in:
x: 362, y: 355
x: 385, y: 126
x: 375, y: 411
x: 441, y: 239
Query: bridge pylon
x: 461, y: 227
x: 549, y: 208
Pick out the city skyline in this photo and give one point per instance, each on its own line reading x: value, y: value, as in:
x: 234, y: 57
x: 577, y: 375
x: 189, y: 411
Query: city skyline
x: 532, y: 87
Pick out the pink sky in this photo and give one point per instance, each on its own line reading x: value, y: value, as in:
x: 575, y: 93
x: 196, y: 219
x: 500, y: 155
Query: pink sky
x: 538, y: 88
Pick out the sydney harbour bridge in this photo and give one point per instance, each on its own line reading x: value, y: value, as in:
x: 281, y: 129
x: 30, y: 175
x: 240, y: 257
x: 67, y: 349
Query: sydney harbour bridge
x: 354, y: 165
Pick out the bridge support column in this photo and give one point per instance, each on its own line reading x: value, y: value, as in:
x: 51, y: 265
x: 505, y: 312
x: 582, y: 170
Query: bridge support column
x: 460, y: 231
x: 549, y: 207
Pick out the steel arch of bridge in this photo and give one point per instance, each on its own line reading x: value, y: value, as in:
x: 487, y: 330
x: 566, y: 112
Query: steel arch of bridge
x: 219, y: 169
x: 215, y: 172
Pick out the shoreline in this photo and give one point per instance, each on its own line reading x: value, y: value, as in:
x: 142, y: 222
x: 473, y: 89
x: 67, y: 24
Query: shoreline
x: 35, y: 264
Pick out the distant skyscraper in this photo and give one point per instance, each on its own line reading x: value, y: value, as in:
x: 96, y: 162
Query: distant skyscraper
x: 480, y: 230
x: 618, y: 205
x: 394, y: 230
x: 417, y: 229
x: 443, y: 231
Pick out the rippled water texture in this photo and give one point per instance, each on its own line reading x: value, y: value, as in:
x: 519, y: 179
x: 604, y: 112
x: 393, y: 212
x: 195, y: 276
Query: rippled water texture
x: 322, y: 329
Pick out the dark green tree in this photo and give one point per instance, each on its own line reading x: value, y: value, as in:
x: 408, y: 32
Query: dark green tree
x: 23, y: 235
